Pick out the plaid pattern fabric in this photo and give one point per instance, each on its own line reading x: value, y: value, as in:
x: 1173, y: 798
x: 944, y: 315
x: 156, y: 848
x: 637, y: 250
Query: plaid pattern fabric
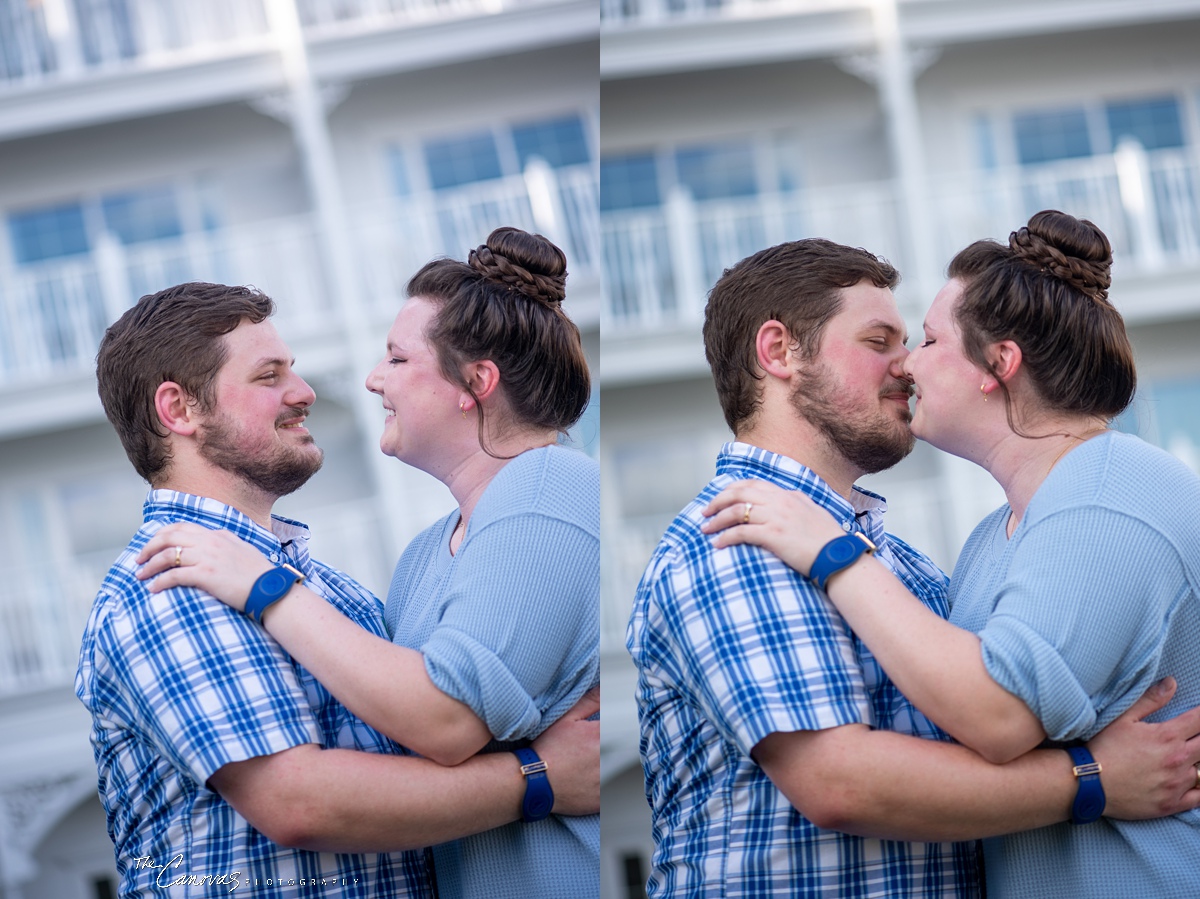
x: 180, y: 685
x: 732, y: 645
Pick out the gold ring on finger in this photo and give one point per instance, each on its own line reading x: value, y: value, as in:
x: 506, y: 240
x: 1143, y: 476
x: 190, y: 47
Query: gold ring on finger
x: 746, y: 516
x: 178, y: 556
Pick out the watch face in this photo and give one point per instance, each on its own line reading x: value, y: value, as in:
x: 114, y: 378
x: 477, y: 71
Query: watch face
x: 275, y: 582
x: 843, y: 551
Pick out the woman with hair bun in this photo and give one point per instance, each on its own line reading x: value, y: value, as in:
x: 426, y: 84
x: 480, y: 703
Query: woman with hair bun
x: 494, y: 609
x: 1068, y: 601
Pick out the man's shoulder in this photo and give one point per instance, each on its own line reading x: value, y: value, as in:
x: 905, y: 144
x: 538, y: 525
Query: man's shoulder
x: 913, y: 565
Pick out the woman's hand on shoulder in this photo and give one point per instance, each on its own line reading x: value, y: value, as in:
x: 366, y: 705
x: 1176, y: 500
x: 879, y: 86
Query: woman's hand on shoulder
x: 785, y: 522
x: 188, y: 555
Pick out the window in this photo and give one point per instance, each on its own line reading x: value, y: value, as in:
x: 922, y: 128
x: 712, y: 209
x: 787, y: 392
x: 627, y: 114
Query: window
x: 1155, y: 124
x: 635, y: 875
x: 140, y: 215
x: 1085, y: 130
x: 48, y: 233
x: 561, y: 142
x: 629, y: 182
x: 462, y: 160
x: 1045, y: 136
x: 718, y: 170
x: 456, y: 160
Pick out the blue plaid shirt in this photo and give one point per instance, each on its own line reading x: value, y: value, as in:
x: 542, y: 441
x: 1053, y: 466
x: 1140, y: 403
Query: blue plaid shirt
x: 731, y: 645
x: 180, y: 685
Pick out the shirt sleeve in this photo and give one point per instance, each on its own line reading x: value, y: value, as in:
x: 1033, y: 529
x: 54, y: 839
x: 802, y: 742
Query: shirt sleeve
x: 757, y: 647
x: 1077, y: 629
x: 518, y: 637
x: 201, y: 682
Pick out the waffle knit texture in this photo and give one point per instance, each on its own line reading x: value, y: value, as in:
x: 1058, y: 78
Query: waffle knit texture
x: 1092, y: 600
x: 509, y: 625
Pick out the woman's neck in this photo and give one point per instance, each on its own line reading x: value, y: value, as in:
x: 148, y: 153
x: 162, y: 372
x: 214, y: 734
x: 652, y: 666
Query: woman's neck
x: 471, y: 477
x: 1021, y: 464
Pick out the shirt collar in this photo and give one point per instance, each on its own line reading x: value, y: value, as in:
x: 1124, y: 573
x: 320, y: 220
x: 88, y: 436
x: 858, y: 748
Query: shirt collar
x: 863, y: 512
x: 172, y: 505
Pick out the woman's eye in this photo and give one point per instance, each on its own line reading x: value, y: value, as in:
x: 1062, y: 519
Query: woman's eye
x: 927, y: 341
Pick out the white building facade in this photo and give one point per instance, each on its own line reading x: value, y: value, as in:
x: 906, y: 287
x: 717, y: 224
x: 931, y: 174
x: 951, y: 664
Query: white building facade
x: 321, y: 150
x: 910, y: 127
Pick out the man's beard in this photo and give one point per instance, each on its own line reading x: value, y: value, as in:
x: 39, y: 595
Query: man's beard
x: 284, y: 470
x: 868, y: 439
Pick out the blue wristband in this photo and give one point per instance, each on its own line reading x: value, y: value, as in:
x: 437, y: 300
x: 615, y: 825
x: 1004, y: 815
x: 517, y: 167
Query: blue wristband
x: 1089, y: 798
x: 838, y: 553
x: 539, y: 797
x: 270, y: 588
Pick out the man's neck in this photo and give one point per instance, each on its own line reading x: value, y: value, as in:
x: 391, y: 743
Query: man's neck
x: 225, y: 488
x: 806, y: 446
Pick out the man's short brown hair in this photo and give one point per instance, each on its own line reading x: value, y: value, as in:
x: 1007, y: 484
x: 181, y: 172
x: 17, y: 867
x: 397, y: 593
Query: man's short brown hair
x: 173, y: 335
x: 798, y: 284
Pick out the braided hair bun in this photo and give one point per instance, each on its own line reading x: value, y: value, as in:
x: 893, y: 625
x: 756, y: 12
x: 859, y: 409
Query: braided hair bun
x: 526, y: 263
x: 1072, y: 250
x: 1047, y: 291
x: 504, y: 304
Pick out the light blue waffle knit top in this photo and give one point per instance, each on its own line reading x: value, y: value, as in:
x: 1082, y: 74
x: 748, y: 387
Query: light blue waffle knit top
x: 1093, y: 599
x: 510, y: 626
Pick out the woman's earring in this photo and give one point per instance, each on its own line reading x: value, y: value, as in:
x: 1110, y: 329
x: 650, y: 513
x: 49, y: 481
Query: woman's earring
x: 462, y: 407
x: 982, y: 391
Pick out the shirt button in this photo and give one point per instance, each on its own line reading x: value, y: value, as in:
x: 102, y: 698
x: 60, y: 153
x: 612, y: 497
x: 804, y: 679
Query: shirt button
x: 847, y: 526
x: 275, y: 558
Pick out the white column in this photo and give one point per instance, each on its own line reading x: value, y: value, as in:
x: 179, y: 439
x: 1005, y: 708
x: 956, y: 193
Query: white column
x: 898, y: 96
x: 311, y: 132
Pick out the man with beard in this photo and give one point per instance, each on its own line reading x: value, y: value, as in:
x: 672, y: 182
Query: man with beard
x: 222, y: 762
x: 779, y: 758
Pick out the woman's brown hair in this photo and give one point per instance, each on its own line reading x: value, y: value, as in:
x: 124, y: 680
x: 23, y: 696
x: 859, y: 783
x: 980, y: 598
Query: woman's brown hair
x: 1047, y: 291
x: 505, y: 304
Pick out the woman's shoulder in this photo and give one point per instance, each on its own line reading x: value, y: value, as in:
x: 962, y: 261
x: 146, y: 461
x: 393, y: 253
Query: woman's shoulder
x: 553, y: 481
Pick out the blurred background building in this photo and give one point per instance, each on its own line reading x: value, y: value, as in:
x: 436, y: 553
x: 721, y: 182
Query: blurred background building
x: 321, y: 150
x: 910, y: 127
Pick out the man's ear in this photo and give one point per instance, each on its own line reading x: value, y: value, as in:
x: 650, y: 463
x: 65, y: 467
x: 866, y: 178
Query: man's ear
x: 774, y: 349
x: 484, y: 380
x: 176, y: 409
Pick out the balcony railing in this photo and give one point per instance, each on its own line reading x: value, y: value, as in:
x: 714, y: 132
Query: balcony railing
x: 652, y: 12
x: 53, y: 313
x: 659, y: 263
x: 63, y: 39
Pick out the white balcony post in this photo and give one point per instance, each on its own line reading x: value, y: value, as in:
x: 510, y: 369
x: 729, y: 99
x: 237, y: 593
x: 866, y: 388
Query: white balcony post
x: 63, y: 28
x: 680, y: 210
x: 311, y: 132
x: 898, y: 96
x: 545, y: 202
x: 1137, y: 197
x: 114, y: 277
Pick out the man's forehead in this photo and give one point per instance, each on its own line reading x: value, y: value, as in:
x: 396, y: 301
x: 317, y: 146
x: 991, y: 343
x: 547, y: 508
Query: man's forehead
x: 865, y: 307
x: 253, y: 343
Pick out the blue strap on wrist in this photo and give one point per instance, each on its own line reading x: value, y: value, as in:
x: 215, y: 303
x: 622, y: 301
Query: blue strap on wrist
x: 270, y: 588
x: 539, y: 797
x: 1089, y: 797
x: 838, y: 553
